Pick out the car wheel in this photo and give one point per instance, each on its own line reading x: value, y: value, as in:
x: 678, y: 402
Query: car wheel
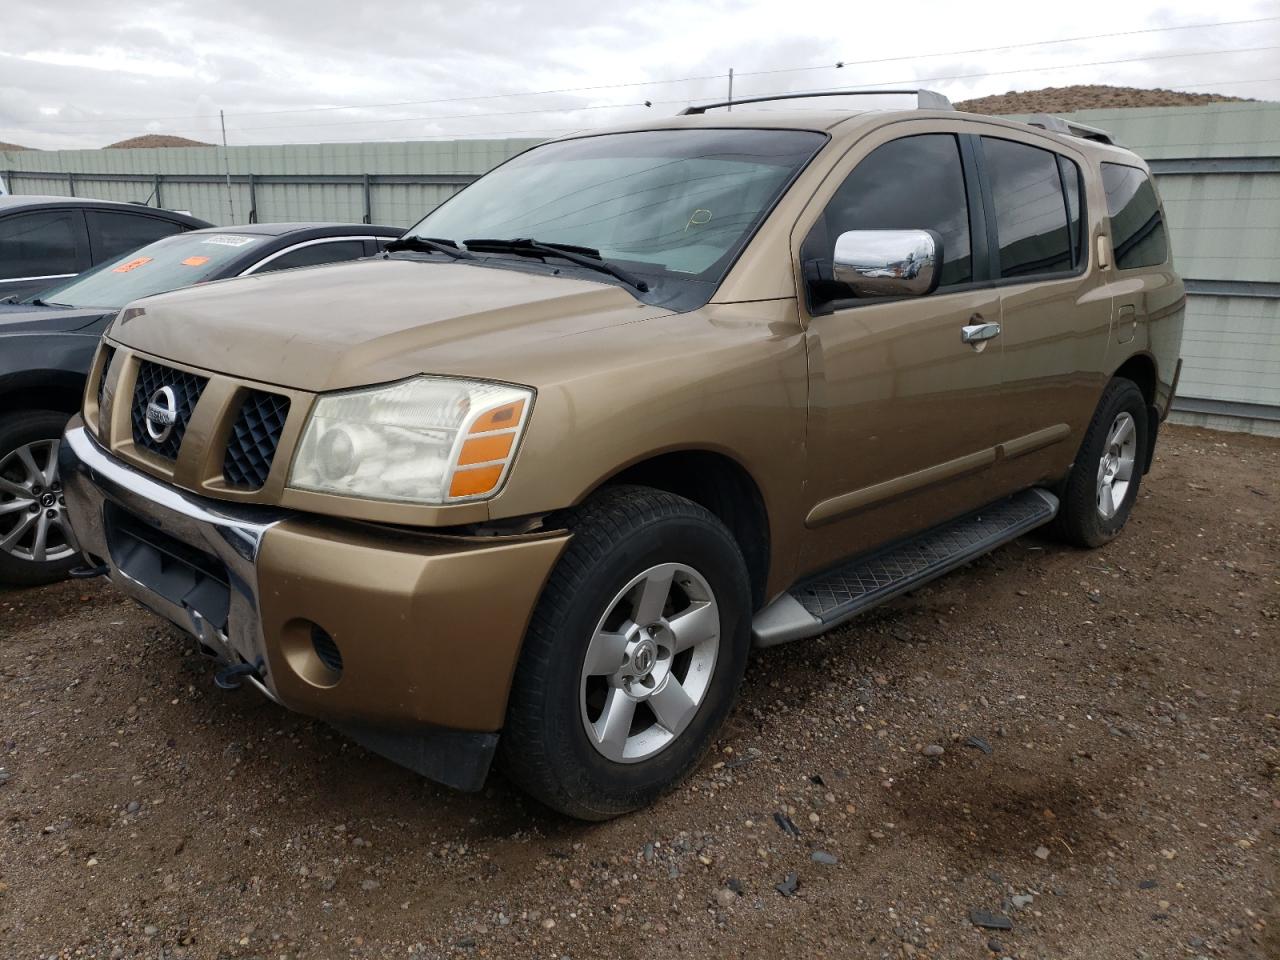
x: 1102, y: 486
x: 633, y: 656
x: 36, y: 542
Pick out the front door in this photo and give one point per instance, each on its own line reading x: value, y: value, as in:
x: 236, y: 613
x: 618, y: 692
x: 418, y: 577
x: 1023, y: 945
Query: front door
x: 905, y: 416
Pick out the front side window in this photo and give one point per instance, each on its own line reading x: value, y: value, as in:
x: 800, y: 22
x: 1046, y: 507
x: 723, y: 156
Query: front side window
x: 165, y: 265
x: 314, y: 254
x: 916, y: 183
x: 1137, y: 228
x: 667, y: 205
x: 1031, y: 213
x: 115, y: 234
x: 39, y: 244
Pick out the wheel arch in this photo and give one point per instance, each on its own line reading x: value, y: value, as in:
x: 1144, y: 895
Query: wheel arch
x: 61, y: 390
x: 1140, y: 369
x: 719, y: 483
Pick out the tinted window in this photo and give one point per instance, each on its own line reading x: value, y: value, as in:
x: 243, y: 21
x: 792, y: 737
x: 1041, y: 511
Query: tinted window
x: 167, y: 264
x: 1072, y: 184
x: 38, y: 244
x: 1031, y: 213
x: 916, y: 183
x: 1137, y: 229
x: 316, y: 253
x: 115, y: 234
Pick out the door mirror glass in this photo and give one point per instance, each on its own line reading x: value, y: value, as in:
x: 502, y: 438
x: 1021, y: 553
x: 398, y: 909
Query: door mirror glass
x: 888, y: 263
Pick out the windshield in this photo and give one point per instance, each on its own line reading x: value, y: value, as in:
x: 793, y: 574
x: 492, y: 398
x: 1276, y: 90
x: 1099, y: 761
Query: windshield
x: 668, y: 204
x: 167, y: 264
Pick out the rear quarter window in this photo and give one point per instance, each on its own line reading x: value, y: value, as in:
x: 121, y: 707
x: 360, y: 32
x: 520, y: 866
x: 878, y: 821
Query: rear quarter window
x: 1137, y: 227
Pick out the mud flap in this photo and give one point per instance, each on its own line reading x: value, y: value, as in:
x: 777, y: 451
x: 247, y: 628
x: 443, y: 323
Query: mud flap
x: 456, y: 758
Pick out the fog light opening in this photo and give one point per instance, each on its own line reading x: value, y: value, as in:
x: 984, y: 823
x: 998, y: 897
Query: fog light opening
x: 326, y: 648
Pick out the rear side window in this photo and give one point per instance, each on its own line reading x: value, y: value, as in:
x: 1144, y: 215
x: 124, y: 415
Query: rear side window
x: 1031, y: 210
x: 115, y: 234
x: 39, y: 244
x: 916, y: 183
x: 1137, y: 229
x: 314, y: 254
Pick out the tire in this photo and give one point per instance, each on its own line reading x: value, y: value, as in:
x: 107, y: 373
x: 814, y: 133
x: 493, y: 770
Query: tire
x: 563, y: 742
x: 28, y: 438
x: 1088, y: 517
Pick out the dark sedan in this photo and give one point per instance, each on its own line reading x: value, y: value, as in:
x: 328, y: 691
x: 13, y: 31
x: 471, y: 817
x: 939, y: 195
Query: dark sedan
x: 47, y: 239
x: 47, y: 344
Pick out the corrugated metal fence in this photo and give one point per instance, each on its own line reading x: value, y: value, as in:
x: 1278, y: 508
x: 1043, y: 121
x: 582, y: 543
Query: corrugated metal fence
x: 1218, y: 167
x: 386, y: 183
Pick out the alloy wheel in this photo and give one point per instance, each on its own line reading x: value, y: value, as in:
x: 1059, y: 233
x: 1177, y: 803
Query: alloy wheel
x: 33, y: 520
x: 1115, y: 468
x: 649, y: 664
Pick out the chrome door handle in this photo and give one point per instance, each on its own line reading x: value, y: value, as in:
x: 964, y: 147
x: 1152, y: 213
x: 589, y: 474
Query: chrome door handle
x: 978, y: 332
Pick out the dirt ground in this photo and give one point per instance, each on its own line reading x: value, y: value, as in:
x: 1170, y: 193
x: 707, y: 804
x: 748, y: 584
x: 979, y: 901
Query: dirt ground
x: 1120, y: 798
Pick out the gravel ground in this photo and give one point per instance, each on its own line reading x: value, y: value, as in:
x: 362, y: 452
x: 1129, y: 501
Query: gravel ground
x: 1083, y: 744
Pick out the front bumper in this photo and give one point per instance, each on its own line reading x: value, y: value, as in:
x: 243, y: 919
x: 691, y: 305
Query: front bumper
x: 390, y: 636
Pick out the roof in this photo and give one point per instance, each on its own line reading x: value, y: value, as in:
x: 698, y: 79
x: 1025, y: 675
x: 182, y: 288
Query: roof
x: 324, y: 228
x: 847, y: 124
x: 10, y: 202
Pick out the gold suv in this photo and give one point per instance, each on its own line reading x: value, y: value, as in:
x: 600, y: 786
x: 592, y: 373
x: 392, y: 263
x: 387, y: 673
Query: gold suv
x: 531, y: 484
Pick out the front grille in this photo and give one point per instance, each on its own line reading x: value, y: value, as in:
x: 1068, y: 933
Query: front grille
x: 254, y: 438
x: 108, y: 354
x: 186, y: 388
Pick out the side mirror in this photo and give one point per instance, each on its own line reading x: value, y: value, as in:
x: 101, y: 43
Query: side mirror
x: 888, y: 263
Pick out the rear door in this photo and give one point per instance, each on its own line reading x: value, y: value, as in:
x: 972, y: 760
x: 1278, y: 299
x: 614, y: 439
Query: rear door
x: 40, y: 248
x: 904, y: 415
x: 1055, y: 308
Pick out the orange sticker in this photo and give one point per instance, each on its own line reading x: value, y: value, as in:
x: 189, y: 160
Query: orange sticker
x: 195, y: 261
x: 133, y: 264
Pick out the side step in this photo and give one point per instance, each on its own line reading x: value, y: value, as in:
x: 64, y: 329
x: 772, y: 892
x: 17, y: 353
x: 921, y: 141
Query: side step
x: 816, y: 605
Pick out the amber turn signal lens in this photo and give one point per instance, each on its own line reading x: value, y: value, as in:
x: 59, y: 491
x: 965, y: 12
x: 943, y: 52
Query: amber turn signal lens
x: 485, y: 449
x: 470, y: 483
x: 505, y: 417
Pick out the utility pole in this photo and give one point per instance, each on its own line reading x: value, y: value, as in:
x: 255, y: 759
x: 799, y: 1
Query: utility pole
x: 730, y: 90
x: 226, y: 162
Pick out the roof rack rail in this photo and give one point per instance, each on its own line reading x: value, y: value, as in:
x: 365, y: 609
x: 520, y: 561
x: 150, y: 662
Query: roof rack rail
x: 1070, y: 128
x: 925, y: 99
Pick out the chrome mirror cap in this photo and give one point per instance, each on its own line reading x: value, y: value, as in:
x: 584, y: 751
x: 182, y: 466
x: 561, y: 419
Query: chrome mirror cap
x: 888, y: 263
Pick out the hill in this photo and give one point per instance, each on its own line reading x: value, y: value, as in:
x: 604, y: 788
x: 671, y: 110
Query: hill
x: 1067, y: 99
x: 156, y: 140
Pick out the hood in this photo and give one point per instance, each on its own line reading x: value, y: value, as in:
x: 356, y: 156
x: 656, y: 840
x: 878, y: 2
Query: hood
x: 372, y: 321
x: 27, y: 318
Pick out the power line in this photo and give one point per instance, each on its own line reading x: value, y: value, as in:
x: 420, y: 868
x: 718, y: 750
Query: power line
x: 642, y: 83
x: 622, y: 106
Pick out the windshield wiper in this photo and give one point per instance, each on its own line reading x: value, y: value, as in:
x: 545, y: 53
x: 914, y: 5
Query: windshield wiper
x: 582, y: 256
x: 37, y: 302
x: 428, y: 245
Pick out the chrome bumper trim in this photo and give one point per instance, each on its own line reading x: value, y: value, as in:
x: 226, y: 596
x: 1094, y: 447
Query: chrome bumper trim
x: 232, y: 533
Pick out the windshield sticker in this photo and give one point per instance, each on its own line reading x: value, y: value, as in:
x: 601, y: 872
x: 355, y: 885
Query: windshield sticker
x: 133, y: 264
x: 228, y: 240
x: 195, y: 261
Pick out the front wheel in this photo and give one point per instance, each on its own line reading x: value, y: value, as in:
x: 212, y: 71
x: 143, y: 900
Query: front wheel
x: 633, y: 657
x: 36, y: 543
x: 1102, y: 487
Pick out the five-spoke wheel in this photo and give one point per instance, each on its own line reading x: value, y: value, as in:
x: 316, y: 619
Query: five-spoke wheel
x: 36, y: 541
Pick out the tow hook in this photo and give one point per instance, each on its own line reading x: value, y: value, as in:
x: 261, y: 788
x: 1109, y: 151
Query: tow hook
x: 228, y: 678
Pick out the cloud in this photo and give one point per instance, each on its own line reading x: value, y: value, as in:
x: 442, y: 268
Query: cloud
x: 81, y: 74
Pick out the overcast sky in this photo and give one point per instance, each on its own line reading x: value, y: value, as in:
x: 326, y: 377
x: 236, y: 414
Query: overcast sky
x: 83, y: 73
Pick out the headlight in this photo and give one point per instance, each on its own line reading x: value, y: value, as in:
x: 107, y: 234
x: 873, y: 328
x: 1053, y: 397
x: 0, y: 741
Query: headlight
x: 430, y: 440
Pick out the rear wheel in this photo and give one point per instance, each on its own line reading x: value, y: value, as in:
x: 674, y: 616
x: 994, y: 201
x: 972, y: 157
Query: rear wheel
x: 633, y: 656
x: 36, y: 543
x: 1103, y: 484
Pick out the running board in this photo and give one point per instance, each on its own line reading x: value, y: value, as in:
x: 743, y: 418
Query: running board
x: 816, y: 605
